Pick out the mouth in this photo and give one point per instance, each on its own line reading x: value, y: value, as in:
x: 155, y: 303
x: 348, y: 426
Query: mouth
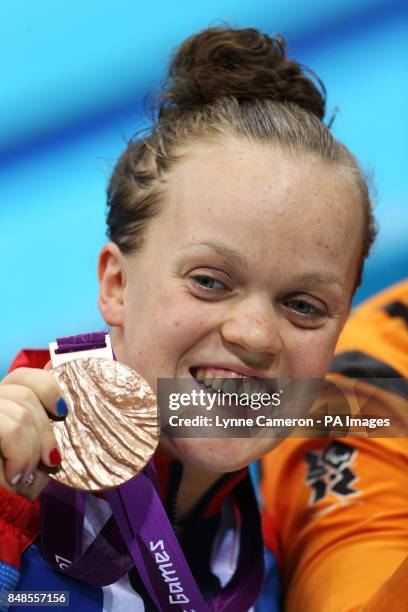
x: 224, y: 380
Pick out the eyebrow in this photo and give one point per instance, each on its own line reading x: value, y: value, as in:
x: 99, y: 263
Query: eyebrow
x: 230, y: 255
x: 316, y: 278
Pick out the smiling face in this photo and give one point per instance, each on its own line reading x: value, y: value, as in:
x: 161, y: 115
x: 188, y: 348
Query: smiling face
x: 248, y: 269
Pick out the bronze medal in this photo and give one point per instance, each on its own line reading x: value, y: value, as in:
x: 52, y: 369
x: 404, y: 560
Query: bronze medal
x: 111, y: 430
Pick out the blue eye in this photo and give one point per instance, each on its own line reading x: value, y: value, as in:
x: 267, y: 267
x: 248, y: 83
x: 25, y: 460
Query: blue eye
x: 303, y: 308
x: 207, y: 282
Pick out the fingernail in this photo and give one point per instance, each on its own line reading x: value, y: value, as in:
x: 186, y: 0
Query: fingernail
x: 55, y: 457
x: 16, y: 478
x: 62, y: 408
x: 30, y: 478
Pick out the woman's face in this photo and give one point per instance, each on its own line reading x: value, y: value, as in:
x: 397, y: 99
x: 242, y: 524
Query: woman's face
x: 248, y: 269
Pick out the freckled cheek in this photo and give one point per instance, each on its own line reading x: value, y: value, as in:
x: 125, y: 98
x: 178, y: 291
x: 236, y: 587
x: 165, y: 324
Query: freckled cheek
x: 179, y: 327
x: 188, y: 319
x: 311, y: 356
x: 167, y: 326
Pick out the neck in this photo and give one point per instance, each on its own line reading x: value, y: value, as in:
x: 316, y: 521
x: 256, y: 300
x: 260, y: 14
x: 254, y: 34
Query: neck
x: 193, y: 486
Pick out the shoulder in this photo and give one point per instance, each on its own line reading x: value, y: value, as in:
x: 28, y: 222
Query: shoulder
x: 30, y: 358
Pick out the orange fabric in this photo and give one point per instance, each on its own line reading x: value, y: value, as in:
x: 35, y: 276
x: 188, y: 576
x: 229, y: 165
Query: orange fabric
x: 346, y: 552
x: 371, y: 330
x: 338, y: 551
x: 392, y: 595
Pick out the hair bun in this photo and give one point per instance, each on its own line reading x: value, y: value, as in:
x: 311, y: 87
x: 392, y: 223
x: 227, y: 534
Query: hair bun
x: 245, y: 64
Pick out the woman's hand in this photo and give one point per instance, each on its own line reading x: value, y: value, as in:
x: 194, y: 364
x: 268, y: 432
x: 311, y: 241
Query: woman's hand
x: 26, y: 434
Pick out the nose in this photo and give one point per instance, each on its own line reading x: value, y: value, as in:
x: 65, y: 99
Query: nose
x: 253, y: 326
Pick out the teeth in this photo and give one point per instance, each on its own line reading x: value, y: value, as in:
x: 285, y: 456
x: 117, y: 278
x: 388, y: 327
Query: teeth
x: 239, y: 387
x: 234, y: 383
x: 247, y: 386
x: 204, y: 374
x: 257, y: 386
x: 208, y: 374
x: 217, y: 384
x: 230, y: 385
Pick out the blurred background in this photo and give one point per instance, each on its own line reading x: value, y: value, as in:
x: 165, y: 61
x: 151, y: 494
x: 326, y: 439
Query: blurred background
x: 73, y: 80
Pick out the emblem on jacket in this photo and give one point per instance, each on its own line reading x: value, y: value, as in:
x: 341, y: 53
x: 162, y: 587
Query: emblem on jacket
x: 329, y: 471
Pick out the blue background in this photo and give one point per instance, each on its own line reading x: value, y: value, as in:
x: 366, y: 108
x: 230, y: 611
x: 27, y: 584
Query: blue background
x: 73, y: 79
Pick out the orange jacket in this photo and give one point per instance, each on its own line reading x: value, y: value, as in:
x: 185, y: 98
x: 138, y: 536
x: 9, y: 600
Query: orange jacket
x: 341, y: 506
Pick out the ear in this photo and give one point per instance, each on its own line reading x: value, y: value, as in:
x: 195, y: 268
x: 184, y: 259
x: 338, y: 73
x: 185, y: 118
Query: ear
x: 112, y: 282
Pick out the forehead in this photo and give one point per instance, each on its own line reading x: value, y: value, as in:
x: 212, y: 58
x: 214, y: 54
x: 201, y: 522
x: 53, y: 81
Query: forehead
x: 259, y: 189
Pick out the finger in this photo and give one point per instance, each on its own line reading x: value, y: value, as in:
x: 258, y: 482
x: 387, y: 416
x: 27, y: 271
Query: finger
x: 32, y: 487
x: 19, y: 443
x: 4, y: 483
x: 43, y: 384
x: 25, y: 399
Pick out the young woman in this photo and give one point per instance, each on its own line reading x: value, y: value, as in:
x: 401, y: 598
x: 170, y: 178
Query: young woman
x: 238, y: 230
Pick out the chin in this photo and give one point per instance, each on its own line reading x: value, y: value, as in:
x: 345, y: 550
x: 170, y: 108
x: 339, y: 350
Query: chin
x: 219, y: 455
